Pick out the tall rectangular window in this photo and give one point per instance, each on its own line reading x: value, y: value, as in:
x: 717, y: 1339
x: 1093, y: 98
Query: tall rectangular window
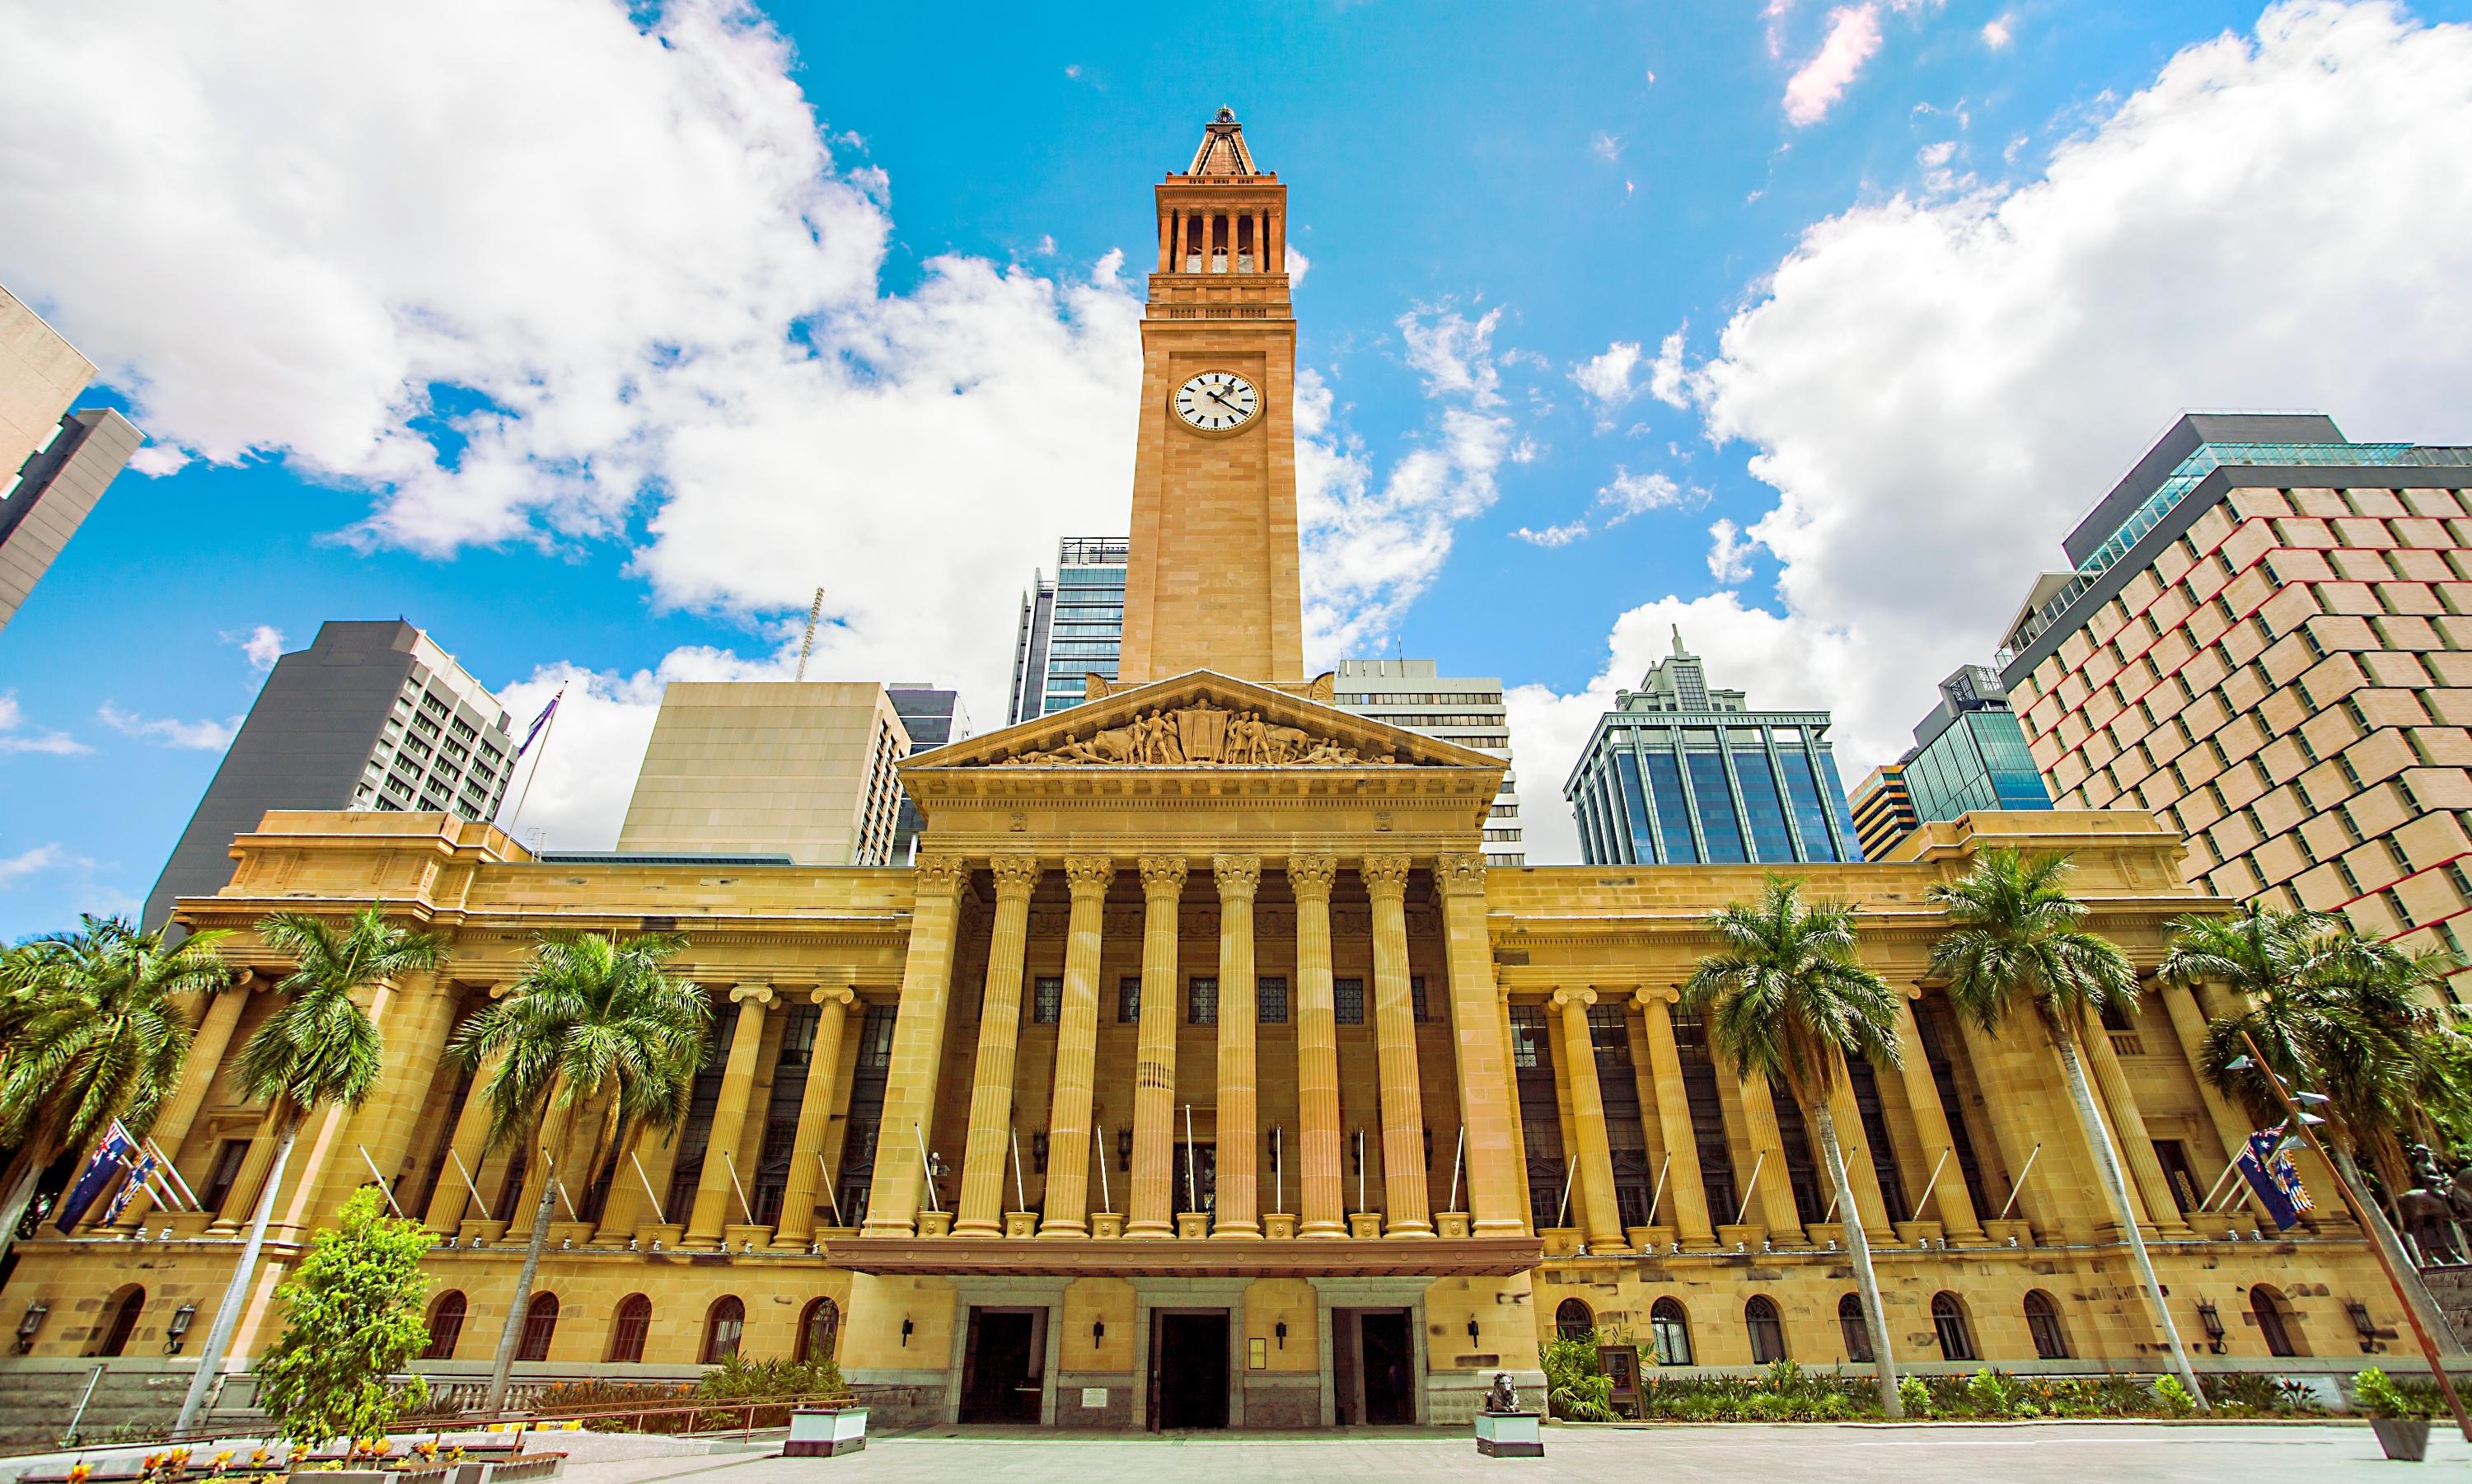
x: 1418, y: 1004
x: 1347, y: 997
x: 1201, y: 1001
x: 1270, y: 1001
x: 1673, y: 812
x: 1046, y: 1001
x: 1810, y: 805
x: 1128, y: 1000
x: 1643, y: 838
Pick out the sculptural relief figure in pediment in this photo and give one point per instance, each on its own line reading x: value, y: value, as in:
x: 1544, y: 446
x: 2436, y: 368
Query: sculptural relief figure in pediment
x: 1202, y: 734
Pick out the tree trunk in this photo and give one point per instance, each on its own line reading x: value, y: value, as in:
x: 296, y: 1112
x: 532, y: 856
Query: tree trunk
x: 2433, y: 1318
x: 1874, y: 1319
x: 25, y: 1174
x: 2107, y: 1162
x: 502, y: 1370
x: 211, y: 1359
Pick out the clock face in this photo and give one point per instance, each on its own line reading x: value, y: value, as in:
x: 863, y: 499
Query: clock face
x: 1217, y: 402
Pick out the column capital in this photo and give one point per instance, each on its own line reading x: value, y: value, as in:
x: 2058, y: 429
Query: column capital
x: 1088, y: 874
x: 1162, y: 875
x: 1385, y: 875
x: 1460, y: 874
x: 1311, y: 875
x: 1647, y: 994
x: 940, y: 876
x: 1238, y: 877
x: 1574, y: 996
x: 833, y: 995
x: 752, y: 994
x: 1016, y: 876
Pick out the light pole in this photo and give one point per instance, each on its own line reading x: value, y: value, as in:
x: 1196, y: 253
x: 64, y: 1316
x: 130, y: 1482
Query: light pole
x: 2304, y: 1123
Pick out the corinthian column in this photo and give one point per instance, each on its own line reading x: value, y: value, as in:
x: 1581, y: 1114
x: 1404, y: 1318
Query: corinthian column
x: 1239, y: 878
x: 1487, y: 1109
x: 917, y: 1048
x: 814, y: 1116
x: 1395, y: 1031
x: 1948, y: 1200
x: 1152, y: 1212
x: 1318, y: 1146
x: 1076, y: 1051
x: 2129, y: 1127
x: 991, y: 1076
x: 1598, y: 1213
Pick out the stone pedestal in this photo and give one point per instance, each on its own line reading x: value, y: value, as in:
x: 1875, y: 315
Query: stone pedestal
x: 1918, y: 1234
x: 1364, y: 1223
x: 1021, y: 1223
x: 1511, y: 1434
x: 1744, y: 1235
x: 659, y: 1235
x: 935, y: 1223
x: 1657, y: 1239
x: 2012, y: 1232
x: 1451, y: 1223
x: 1278, y: 1225
x: 824, y: 1432
x: 1106, y: 1223
x: 1192, y: 1225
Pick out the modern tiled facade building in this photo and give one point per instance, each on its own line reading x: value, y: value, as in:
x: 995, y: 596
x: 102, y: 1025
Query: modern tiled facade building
x: 371, y: 715
x: 1465, y: 709
x: 53, y: 462
x: 1679, y: 775
x: 1072, y: 627
x: 805, y: 768
x: 2264, y: 641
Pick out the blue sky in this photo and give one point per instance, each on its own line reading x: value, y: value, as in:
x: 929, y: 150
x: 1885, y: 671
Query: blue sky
x: 593, y: 344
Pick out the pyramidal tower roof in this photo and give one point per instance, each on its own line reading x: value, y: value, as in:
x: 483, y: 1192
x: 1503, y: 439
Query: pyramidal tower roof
x: 1223, y: 151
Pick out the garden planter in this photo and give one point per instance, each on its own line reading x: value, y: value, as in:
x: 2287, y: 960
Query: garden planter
x: 480, y: 1233
x: 1511, y: 1434
x: 180, y: 1226
x: 1649, y: 1238
x: 563, y: 1232
x: 739, y: 1237
x: 2011, y: 1233
x: 824, y: 1431
x: 1746, y: 1236
x: 2405, y: 1439
x: 1918, y: 1234
x: 1560, y: 1241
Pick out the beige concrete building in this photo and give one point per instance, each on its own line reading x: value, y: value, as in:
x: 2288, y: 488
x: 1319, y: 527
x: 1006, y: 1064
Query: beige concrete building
x: 798, y: 768
x: 54, y: 464
x: 2263, y: 642
x: 1201, y: 1073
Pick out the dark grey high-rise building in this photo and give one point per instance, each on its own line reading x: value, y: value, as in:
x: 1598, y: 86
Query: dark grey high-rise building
x: 369, y: 716
x: 1071, y: 627
x: 933, y: 717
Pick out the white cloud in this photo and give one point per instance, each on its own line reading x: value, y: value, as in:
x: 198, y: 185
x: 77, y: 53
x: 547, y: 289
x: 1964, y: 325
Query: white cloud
x: 1453, y: 353
x: 1667, y: 381
x: 1604, y: 378
x: 634, y: 252
x: 206, y: 736
x: 1938, y: 391
x: 1606, y: 147
x: 1631, y: 494
x: 1853, y: 36
x: 14, y: 738
x: 263, y: 645
x: 16, y: 868
x: 1772, y: 16
x: 1553, y: 536
x: 1996, y: 31
x: 1298, y: 265
x: 1729, y: 555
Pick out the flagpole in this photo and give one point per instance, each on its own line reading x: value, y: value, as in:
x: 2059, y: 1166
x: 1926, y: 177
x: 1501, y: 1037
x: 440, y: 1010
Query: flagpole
x: 516, y: 818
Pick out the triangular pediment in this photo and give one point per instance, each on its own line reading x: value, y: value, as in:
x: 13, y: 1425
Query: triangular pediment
x: 1202, y: 720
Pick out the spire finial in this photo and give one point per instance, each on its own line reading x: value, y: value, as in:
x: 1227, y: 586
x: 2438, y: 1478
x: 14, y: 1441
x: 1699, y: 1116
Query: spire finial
x: 1227, y: 114
x: 1679, y: 650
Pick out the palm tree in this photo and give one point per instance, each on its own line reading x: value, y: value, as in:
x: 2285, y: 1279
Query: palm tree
x: 593, y: 1023
x: 1789, y: 997
x: 318, y: 1050
x: 2019, y: 936
x: 89, y: 1034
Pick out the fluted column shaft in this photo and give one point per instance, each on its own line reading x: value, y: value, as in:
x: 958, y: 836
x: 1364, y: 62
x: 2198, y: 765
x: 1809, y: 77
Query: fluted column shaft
x: 414, y: 1037
x: 2189, y: 1029
x: 1239, y: 879
x: 240, y: 1201
x: 918, y: 1050
x: 1948, y: 1200
x: 450, y: 1200
x: 1410, y: 1210
x: 1685, y: 1196
x: 1487, y: 1111
x: 1076, y: 1051
x: 1774, y: 1199
x: 716, y: 1184
x: 1151, y: 1209
x: 985, y: 1155
x: 1320, y: 1191
x: 814, y: 1116
x: 1854, y: 1144
x: 1600, y: 1214
x: 2128, y: 1126
x: 205, y: 1058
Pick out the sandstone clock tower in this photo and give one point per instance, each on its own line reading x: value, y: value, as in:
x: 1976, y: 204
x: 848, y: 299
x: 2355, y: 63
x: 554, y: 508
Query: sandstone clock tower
x: 1213, y: 584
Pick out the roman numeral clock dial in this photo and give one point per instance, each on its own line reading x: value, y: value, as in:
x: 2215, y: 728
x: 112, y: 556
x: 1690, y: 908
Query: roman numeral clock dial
x: 1217, y: 402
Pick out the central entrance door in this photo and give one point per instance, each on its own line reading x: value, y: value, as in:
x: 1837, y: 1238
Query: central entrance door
x: 1188, y: 1370
x: 1389, y: 1368
x: 999, y: 1368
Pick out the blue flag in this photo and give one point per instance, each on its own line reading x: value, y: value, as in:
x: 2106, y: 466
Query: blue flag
x: 2272, y: 1174
x: 110, y: 1157
x: 138, y: 1173
x: 539, y: 722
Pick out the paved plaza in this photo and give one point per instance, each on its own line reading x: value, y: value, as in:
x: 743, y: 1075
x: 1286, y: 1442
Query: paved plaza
x: 2063, y: 1454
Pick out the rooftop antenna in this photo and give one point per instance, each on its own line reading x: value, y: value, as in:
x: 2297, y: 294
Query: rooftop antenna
x: 807, y: 645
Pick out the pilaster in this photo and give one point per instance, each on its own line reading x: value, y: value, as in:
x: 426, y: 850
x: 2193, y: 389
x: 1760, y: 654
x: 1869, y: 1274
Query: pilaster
x: 1410, y: 1209
x: 1152, y: 1204
x: 917, y: 1048
x: 1322, y: 1195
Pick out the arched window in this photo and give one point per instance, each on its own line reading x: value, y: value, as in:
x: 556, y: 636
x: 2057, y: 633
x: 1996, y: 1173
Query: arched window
x: 723, y: 1324
x: 1768, y: 1333
x: 627, y: 1329
x: 124, y: 1309
x: 540, y: 1322
x: 1670, y: 1330
x: 819, y: 1331
x: 2276, y: 1323
x: 1571, y: 1321
x: 445, y: 1326
x: 1948, y: 1322
x: 1850, y: 1324
x: 2043, y: 1322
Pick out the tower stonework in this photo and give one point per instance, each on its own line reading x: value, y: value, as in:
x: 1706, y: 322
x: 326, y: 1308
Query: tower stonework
x: 1213, y: 582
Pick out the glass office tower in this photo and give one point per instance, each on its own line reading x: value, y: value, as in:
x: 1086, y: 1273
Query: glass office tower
x: 1071, y: 626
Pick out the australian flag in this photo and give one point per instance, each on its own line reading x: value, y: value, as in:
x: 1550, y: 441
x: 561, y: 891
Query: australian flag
x: 117, y: 1151
x: 2269, y: 1172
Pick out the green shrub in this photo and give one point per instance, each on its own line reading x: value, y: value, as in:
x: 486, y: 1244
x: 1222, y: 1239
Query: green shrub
x: 2174, y: 1395
x: 1913, y: 1396
x: 352, y: 1315
x: 1576, y: 1388
x: 2380, y: 1396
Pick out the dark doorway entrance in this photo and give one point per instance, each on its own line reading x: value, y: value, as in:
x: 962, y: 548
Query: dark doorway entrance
x: 1000, y: 1367
x: 1390, y: 1368
x: 1189, y: 1370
